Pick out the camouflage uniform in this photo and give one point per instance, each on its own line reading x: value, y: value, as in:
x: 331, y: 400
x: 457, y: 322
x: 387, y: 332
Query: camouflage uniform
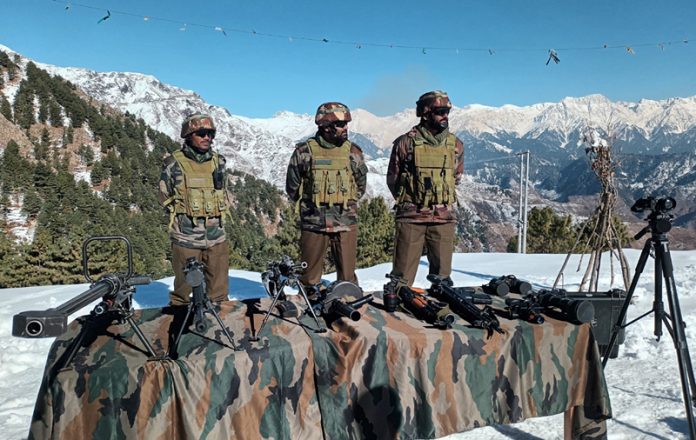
x: 328, y: 208
x: 422, y: 222
x: 202, y: 237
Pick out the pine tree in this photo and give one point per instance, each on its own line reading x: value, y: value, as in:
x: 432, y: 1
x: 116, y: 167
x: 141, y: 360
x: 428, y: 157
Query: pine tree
x: 54, y: 114
x: 24, y: 106
x: 32, y: 203
x: 86, y: 155
x: 15, y: 170
x: 375, y: 233
x: 547, y: 233
x: 5, y: 108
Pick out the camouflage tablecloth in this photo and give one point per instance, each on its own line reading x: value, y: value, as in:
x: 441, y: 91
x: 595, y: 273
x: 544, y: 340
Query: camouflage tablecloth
x: 385, y: 376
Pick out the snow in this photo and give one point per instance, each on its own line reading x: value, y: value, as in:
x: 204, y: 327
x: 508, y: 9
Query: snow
x: 644, y: 381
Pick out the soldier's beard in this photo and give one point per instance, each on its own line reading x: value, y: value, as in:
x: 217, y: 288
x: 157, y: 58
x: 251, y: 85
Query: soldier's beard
x: 336, y: 138
x: 436, y: 127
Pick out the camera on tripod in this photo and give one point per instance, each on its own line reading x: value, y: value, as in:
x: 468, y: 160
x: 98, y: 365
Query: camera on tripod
x: 660, y: 206
x: 659, y: 221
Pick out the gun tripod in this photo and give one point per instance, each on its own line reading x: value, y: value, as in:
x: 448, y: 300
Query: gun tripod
x: 96, y: 321
x: 200, y: 304
x: 659, y: 225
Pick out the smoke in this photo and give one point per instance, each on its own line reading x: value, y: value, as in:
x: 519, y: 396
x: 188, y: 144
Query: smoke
x: 395, y: 92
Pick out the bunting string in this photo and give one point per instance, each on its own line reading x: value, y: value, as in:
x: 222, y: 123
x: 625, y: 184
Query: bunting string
x: 550, y: 54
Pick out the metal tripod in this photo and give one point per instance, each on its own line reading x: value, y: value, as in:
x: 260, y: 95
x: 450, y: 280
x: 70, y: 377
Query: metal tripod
x: 659, y: 224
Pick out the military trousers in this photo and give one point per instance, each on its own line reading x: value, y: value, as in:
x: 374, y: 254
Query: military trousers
x: 217, y: 267
x: 411, y: 238
x: 344, y: 246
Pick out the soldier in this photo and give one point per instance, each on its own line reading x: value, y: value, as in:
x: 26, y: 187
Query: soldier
x: 192, y: 190
x: 327, y: 174
x: 425, y: 166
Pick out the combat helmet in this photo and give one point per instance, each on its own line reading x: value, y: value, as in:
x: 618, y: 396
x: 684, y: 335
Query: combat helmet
x: 195, y: 122
x: 330, y: 112
x: 431, y: 100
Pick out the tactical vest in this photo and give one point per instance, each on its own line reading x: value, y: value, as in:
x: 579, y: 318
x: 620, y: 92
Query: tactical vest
x: 331, y: 180
x: 430, y: 181
x: 195, y: 195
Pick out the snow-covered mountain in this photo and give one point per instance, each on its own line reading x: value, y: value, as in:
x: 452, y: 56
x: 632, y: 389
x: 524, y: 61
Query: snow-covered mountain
x: 662, y: 131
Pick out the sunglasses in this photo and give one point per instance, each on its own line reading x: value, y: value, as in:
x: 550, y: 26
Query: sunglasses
x: 204, y: 133
x: 340, y: 124
x: 441, y: 111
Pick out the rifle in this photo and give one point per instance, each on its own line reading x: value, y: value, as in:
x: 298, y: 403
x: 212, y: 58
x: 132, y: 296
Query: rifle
x: 418, y: 304
x: 463, y: 303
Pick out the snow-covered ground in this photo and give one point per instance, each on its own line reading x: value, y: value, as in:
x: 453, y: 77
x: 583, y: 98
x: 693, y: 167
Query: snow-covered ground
x: 643, y: 381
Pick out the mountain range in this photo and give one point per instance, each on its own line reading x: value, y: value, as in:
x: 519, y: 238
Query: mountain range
x: 653, y: 143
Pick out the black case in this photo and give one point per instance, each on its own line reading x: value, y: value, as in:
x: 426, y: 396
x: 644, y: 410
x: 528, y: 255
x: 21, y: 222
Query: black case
x: 607, y: 306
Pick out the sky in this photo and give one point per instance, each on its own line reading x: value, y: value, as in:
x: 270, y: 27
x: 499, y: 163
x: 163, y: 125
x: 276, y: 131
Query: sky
x: 271, y: 56
x: 643, y: 381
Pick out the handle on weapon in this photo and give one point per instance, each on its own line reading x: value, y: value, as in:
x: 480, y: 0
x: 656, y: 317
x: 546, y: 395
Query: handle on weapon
x: 85, y: 255
x: 390, y: 298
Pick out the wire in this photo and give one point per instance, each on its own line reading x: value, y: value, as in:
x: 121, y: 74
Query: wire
x: 628, y: 48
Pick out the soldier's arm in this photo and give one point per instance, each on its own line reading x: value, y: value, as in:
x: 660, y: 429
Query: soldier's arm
x: 293, y: 178
x: 226, y: 181
x: 459, y: 161
x: 166, y: 183
x: 359, y: 169
x: 396, y: 163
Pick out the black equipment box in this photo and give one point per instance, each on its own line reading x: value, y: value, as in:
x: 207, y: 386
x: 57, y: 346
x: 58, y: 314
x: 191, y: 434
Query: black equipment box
x: 607, y: 306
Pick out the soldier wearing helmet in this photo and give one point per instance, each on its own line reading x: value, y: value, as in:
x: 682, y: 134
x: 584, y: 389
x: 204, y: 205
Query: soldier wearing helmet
x: 192, y: 190
x: 425, y: 166
x: 327, y: 175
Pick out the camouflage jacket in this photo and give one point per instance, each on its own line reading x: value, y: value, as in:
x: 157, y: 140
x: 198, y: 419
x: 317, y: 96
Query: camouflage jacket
x: 183, y: 230
x: 334, y: 218
x: 401, y: 162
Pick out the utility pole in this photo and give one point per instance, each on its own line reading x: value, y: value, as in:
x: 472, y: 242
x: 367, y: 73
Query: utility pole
x: 522, y: 209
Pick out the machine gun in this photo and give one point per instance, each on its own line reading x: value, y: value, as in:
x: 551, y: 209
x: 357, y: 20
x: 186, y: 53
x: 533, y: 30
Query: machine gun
x: 278, y: 275
x: 418, y: 304
x: 332, y: 305
x: 556, y: 304
x: 463, y: 302
x: 200, y: 303
x: 116, y: 293
x: 526, y: 309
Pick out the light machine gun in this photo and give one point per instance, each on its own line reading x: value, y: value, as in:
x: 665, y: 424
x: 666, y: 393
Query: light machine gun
x: 281, y: 274
x: 116, y: 293
x: 200, y: 303
x: 464, y: 302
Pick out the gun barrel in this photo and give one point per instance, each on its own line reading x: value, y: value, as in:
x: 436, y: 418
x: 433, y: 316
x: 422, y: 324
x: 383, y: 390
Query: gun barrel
x: 199, y: 321
x: 338, y: 307
x: 98, y: 290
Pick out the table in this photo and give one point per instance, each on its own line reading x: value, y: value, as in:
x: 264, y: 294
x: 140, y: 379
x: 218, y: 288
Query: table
x: 384, y: 376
